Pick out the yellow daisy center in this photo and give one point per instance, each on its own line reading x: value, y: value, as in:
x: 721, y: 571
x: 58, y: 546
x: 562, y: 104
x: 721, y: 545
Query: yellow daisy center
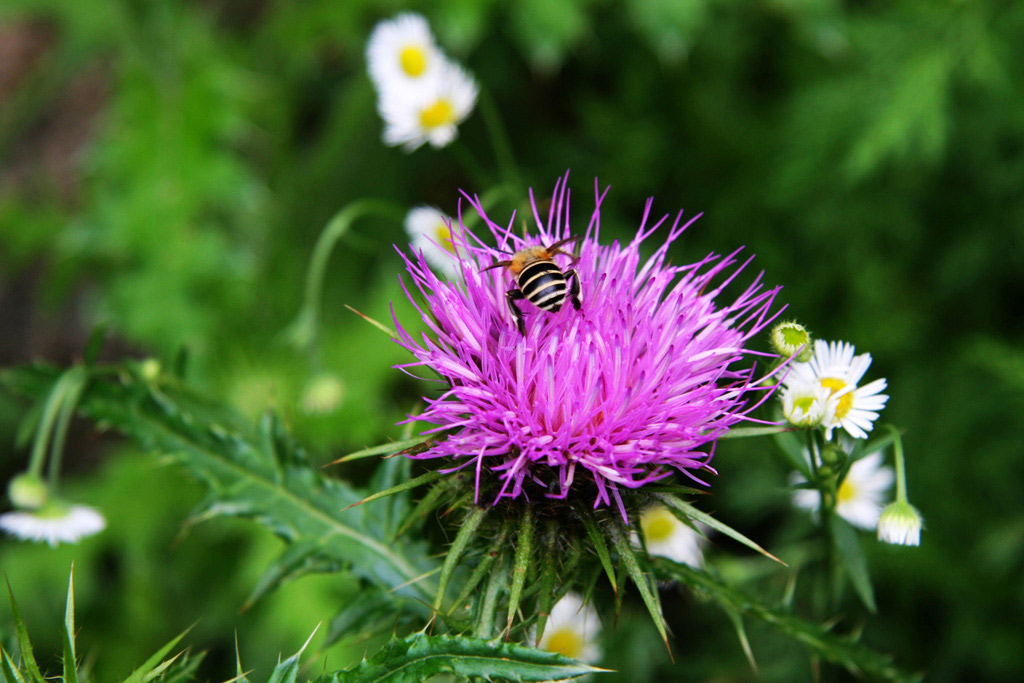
x: 444, y: 237
x: 566, y: 641
x: 413, y: 61
x: 847, y: 491
x: 658, y: 525
x: 440, y: 113
x: 835, y: 385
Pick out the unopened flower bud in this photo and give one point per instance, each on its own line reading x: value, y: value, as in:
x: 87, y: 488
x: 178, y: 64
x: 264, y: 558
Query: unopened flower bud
x: 900, y: 524
x: 150, y: 369
x: 27, y: 492
x: 323, y: 394
x: 833, y: 455
x: 791, y: 338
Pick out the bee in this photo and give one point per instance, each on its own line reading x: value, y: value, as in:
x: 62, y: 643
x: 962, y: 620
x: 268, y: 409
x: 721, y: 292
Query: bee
x: 539, y: 280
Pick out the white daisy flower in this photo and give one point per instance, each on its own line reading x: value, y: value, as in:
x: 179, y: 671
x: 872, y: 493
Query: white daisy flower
x: 666, y: 536
x: 900, y: 524
x: 54, y: 522
x: 401, y: 54
x: 860, y: 496
x: 835, y: 367
x: 572, y: 630
x: 808, y: 404
x: 431, y: 114
x: 430, y: 231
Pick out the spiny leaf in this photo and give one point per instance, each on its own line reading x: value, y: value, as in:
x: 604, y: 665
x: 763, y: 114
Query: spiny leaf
x: 259, y: 473
x: 462, y: 539
x: 28, y: 660
x: 697, y: 516
x: 520, y: 563
x: 848, y: 550
x: 742, y: 432
x: 419, y: 657
x: 379, y: 325
x: 156, y: 663
x: 650, y: 596
x: 741, y: 632
x: 288, y: 670
x: 11, y: 672
x: 298, y: 559
x: 854, y: 656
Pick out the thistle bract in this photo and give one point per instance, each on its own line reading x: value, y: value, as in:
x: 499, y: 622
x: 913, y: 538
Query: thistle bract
x: 636, y: 385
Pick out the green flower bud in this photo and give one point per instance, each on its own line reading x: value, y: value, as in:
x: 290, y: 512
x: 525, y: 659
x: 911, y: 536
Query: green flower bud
x: 27, y: 492
x: 833, y: 455
x: 791, y: 338
x: 900, y: 524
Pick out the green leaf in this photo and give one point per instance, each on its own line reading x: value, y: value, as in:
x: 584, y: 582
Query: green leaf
x: 649, y: 594
x: 486, y: 560
x: 288, y: 670
x: 819, y: 640
x: 255, y: 473
x: 848, y: 550
x: 156, y: 664
x: 28, y: 660
x: 11, y: 672
x: 693, y: 514
x: 418, y: 657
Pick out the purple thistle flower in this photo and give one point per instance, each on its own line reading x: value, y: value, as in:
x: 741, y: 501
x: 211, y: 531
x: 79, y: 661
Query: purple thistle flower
x: 618, y: 394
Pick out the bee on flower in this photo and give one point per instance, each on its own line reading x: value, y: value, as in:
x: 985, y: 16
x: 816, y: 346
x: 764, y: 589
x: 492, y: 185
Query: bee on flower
x: 631, y: 388
x: 422, y: 96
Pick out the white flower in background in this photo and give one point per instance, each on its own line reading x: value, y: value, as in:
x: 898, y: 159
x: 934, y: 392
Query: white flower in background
x: 860, y: 496
x: 836, y: 368
x: 808, y: 404
x: 54, y: 522
x: 430, y: 231
x: 900, y: 524
x: 430, y: 114
x: 666, y: 536
x: 572, y: 630
x: 401, y: 54
x: 322, y: 394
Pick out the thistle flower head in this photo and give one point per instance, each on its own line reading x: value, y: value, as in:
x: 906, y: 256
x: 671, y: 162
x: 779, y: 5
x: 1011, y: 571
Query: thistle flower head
x: 634, y: 386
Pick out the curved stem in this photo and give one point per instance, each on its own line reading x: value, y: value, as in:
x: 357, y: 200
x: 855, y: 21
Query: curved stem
x: 76, y: 387
x: 68, y: 384
x: 302, y: 332
x: 901, y: 474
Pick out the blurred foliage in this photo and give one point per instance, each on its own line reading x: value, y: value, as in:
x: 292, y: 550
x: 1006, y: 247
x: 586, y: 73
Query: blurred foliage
x: 168, y: 166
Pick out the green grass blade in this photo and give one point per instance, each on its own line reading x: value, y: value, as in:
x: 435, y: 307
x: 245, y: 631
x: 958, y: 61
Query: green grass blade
x: 11, y: 672
x: 68, y: 634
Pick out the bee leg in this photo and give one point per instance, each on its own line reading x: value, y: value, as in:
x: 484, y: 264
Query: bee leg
x: 574, y: 288
x: 512, y: 296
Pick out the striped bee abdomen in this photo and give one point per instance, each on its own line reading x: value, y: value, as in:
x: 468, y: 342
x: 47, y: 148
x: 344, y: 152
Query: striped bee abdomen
x: 543, y: 284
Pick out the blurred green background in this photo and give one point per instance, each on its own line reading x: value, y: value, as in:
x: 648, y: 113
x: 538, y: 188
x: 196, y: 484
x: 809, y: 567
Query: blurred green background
x: 168, y: 166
